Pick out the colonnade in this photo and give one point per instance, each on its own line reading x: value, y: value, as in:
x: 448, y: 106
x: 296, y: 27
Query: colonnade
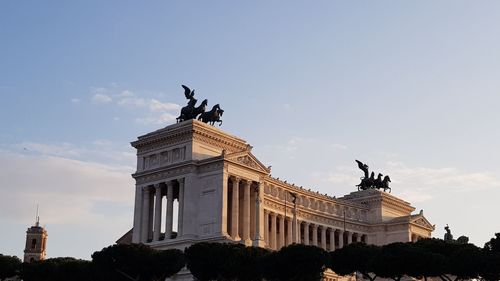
x: 245, y: 213
x: 244, y: 208
x: 150, y: 198
x: 279, y: 233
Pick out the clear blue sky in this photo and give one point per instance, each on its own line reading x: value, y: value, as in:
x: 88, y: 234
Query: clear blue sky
x: 410, y: 87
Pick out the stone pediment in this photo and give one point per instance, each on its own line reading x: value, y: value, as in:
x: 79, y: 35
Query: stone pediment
x: 247, y: 159
x: 420, y: 220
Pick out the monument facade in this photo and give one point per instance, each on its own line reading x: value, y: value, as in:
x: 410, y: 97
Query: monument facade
x: 195, y: 182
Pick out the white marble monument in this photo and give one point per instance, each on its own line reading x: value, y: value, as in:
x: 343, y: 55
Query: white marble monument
x: 196, y: 183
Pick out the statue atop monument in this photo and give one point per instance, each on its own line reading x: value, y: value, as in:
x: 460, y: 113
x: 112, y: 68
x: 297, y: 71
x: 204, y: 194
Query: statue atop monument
x: 190, y: 111
x: 371, y: 182
x: 448, y: 237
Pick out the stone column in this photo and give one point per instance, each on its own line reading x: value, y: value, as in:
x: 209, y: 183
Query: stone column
x: 224, y: 200
x: 266, y: 227
x: 306, y: 233
x: 341, y: 238
x: 145, y: 214
x: 246, y: 212
x: 273, y: 231
x: 180, y: 222
x: 332, y: 239
x: 323, y: 237
x: 349, y: 238
x: 289, y: 232
x: 157, y: 227
x: 315, y: 234
x: 282, y: 231
x: 170, y: 210
x: 151, y: 214
x: 136, y: 235
x: 295, y: 239
x: 259, y: 240
x: 235, y: 210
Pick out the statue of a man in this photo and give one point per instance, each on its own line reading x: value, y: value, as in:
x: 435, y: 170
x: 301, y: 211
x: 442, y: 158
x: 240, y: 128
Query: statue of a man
x: 448, y: 237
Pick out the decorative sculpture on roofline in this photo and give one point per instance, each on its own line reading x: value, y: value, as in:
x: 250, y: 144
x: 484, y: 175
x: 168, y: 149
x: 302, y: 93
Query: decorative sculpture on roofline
x: 371, y: 182
x: 191, y: 112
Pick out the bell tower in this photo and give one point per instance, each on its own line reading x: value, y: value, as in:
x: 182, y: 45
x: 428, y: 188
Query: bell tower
x: 36, y: 242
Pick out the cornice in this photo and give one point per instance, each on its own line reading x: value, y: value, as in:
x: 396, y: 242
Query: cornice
x: 376, y: 196
x: 312, y: 194
x: 190, y: 130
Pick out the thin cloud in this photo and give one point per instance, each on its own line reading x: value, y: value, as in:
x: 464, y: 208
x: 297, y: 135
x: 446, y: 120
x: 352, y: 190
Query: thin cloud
x: 101, y: 98
x: 67, y: 189
x: 161, y: 119
x: 96, y: 151
x: 153, y: 110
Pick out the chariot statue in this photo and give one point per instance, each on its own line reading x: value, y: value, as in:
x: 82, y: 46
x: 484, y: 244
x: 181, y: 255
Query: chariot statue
x: 190, y: 111
x: 370, y: 182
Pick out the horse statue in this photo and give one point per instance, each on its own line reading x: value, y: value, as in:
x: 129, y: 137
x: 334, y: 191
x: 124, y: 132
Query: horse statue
x: 212, y: 116
x: 190, y: 112
x: 385, y: 183
x: 378, y: 182
x: 366, y: 182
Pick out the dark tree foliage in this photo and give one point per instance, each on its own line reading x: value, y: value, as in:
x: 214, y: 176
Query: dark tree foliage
x: 464, y: 263
x: 217, y: 261
x: 9, y: 266
x: 494, y: 244
x: 57, y: 269
x: 251, y: 263
x: 450, y: 261
x: 490, y: 268
x: 136, y: 262
x: 167, y: 263
x: 355, y: 257
x: 296, y: 263
x: 211, y: 261
x: 394, y: 260
x: 426, y: 263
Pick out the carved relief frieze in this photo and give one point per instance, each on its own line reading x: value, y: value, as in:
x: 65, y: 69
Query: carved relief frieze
x: 312, y: 217
x: 162, y: 175
x: 164, y: 158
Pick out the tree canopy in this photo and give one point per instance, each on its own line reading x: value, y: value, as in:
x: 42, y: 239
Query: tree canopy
x: 136, y: 262
x: 9, y: 266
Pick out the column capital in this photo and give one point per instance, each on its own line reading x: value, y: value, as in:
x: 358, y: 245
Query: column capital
x: 156, y: 185
x: 235, y: 179
x: 181, y: 180
x: 169, y: 183
x: 307, y: 223
x: 146, y: 188
x: 273, y: 214
x: 248, y: 183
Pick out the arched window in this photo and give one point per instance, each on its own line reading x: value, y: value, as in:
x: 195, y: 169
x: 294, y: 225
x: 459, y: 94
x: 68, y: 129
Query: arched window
x: 33, y: 244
